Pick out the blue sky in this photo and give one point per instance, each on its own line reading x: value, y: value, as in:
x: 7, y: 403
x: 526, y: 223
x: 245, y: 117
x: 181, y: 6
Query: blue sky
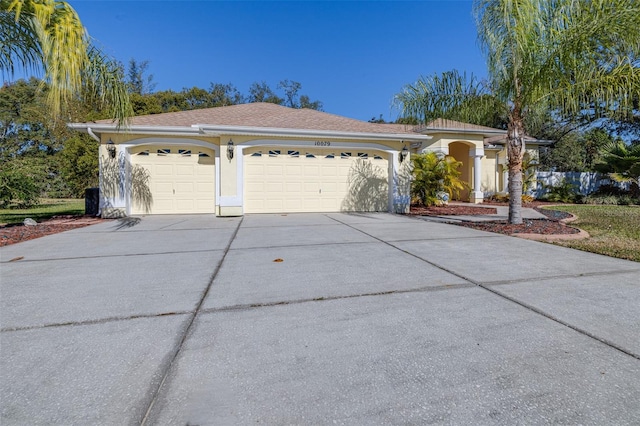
x: 353, y: 56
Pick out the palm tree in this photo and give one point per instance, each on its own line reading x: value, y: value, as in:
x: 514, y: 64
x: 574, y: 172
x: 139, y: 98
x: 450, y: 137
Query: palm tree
x: 621, y: 162
x: 570, y: 57
x: 47, y: 35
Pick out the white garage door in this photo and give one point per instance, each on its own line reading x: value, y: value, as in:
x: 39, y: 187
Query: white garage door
x: 282, y: 180
x: 180, y: 180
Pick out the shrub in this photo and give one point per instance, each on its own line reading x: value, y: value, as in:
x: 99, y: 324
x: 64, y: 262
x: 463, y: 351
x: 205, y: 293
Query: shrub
x: 433, y: 175
x: 504, y: 198
x: 562, y: 192
x: 16, y: 187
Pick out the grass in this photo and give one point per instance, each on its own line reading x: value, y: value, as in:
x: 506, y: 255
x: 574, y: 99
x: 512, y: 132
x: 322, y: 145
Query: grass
x: 47, y: 208
x: 614, y: 230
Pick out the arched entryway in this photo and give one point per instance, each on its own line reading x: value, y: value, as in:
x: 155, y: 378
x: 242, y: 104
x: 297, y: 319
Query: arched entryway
x: 471, y: 169
x: 460, y: 151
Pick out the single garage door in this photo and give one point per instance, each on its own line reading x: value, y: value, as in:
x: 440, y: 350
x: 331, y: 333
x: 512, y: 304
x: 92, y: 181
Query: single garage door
x: 283, y: 180
x: 180, y: 180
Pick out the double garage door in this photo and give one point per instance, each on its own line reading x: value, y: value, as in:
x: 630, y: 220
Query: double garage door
x: 179, y: 179
x: 282, y: 180
x: 172, y: 180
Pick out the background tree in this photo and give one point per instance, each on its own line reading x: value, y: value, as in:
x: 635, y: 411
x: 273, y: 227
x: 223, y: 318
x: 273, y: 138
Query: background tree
x: 225, y: 94
x: 293, y: 99
x: 261, y: 92
x: 139, y: 81
x: 454, y: 96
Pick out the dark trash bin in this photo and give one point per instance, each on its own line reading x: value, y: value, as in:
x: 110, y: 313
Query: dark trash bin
x: 91, y: 201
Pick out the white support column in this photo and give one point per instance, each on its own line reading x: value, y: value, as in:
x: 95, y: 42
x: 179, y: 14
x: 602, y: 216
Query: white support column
x: 476, y: 194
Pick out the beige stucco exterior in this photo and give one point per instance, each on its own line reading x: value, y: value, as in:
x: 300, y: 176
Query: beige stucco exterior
x: 310, y: 161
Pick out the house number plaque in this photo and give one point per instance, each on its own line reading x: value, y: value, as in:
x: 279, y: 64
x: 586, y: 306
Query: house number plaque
x: 322, y: 143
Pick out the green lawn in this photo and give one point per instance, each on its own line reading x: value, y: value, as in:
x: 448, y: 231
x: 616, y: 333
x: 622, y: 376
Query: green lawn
x: 47, y: 208
x: 614, y: 230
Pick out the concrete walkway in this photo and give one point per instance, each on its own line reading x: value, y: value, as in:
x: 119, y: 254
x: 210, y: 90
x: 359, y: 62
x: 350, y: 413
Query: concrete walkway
x: 314, y: 319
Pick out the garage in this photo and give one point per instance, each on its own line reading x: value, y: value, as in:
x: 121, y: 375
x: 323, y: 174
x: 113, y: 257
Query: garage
x: 179, y: 179
x: 291, y: 180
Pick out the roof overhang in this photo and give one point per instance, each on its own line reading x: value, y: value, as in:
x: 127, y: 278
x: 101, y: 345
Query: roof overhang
x: 458, y: 130
x: 217, y: 130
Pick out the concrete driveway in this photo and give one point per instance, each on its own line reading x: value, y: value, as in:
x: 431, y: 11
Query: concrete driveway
x: 367, y: 319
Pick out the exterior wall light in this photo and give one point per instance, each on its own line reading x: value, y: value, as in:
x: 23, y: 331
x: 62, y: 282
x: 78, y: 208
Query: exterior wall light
x: 404, y: 153
x: 230, y: 150
x: 111, y: 149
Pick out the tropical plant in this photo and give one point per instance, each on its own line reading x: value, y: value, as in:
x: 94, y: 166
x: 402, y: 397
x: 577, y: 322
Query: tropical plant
x: 564, y: 56
x: 451, y: 95
x: 621, y: 162
x: 47, y: 36
x: 434, y: 174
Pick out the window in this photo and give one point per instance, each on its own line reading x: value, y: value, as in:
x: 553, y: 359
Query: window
x: 185, y: 152
x: 203, y: 154
x: 363, y: 155
x: 164, y: 151
x: 377, y: 157
x: 330, y: 156
x: 310, y: 155
x: 145, y: 152
x: 345, y: 155
x: 294, y: 153
x: 274, y: 153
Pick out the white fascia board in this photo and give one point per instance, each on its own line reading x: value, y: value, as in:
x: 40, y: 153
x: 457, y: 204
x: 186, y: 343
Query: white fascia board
x: 273, y: 131
x: 147, y: 130
x: 212, y: 130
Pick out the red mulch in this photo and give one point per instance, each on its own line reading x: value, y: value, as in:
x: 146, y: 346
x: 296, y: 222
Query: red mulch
x: 550, y: 226
x: 12, y: 234
x: 450, y: 210
x: 529, y: 226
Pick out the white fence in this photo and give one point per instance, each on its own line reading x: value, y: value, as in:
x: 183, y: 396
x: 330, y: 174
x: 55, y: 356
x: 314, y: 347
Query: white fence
x: 584, y: 183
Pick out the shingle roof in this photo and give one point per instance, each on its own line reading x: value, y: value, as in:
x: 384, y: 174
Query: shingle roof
x: 442, y: 123
x: 265, y: 115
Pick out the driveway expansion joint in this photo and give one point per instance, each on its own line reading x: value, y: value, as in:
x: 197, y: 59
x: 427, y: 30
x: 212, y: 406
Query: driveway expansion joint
x: 425, y: 289
x: 511, y: 299
x: 22, y: 259
x: 561, y: 277
x: 165, y: 370
x: 95, y: 321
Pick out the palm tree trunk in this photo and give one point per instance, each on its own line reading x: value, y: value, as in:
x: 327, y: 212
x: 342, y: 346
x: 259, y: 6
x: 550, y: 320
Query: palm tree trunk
x: 515, y: 153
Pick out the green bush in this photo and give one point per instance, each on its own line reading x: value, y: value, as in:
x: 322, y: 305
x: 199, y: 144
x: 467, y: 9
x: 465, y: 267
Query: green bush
x: 434, y: 174
x: 610, y: 200
x: 17, y: 188
x: 562, y: 192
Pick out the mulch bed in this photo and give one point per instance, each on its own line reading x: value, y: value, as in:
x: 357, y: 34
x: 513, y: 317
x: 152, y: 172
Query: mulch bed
x: 11, y: 234
x: 529, y: 226
x: 550, y: 226
x: 450, y: 210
